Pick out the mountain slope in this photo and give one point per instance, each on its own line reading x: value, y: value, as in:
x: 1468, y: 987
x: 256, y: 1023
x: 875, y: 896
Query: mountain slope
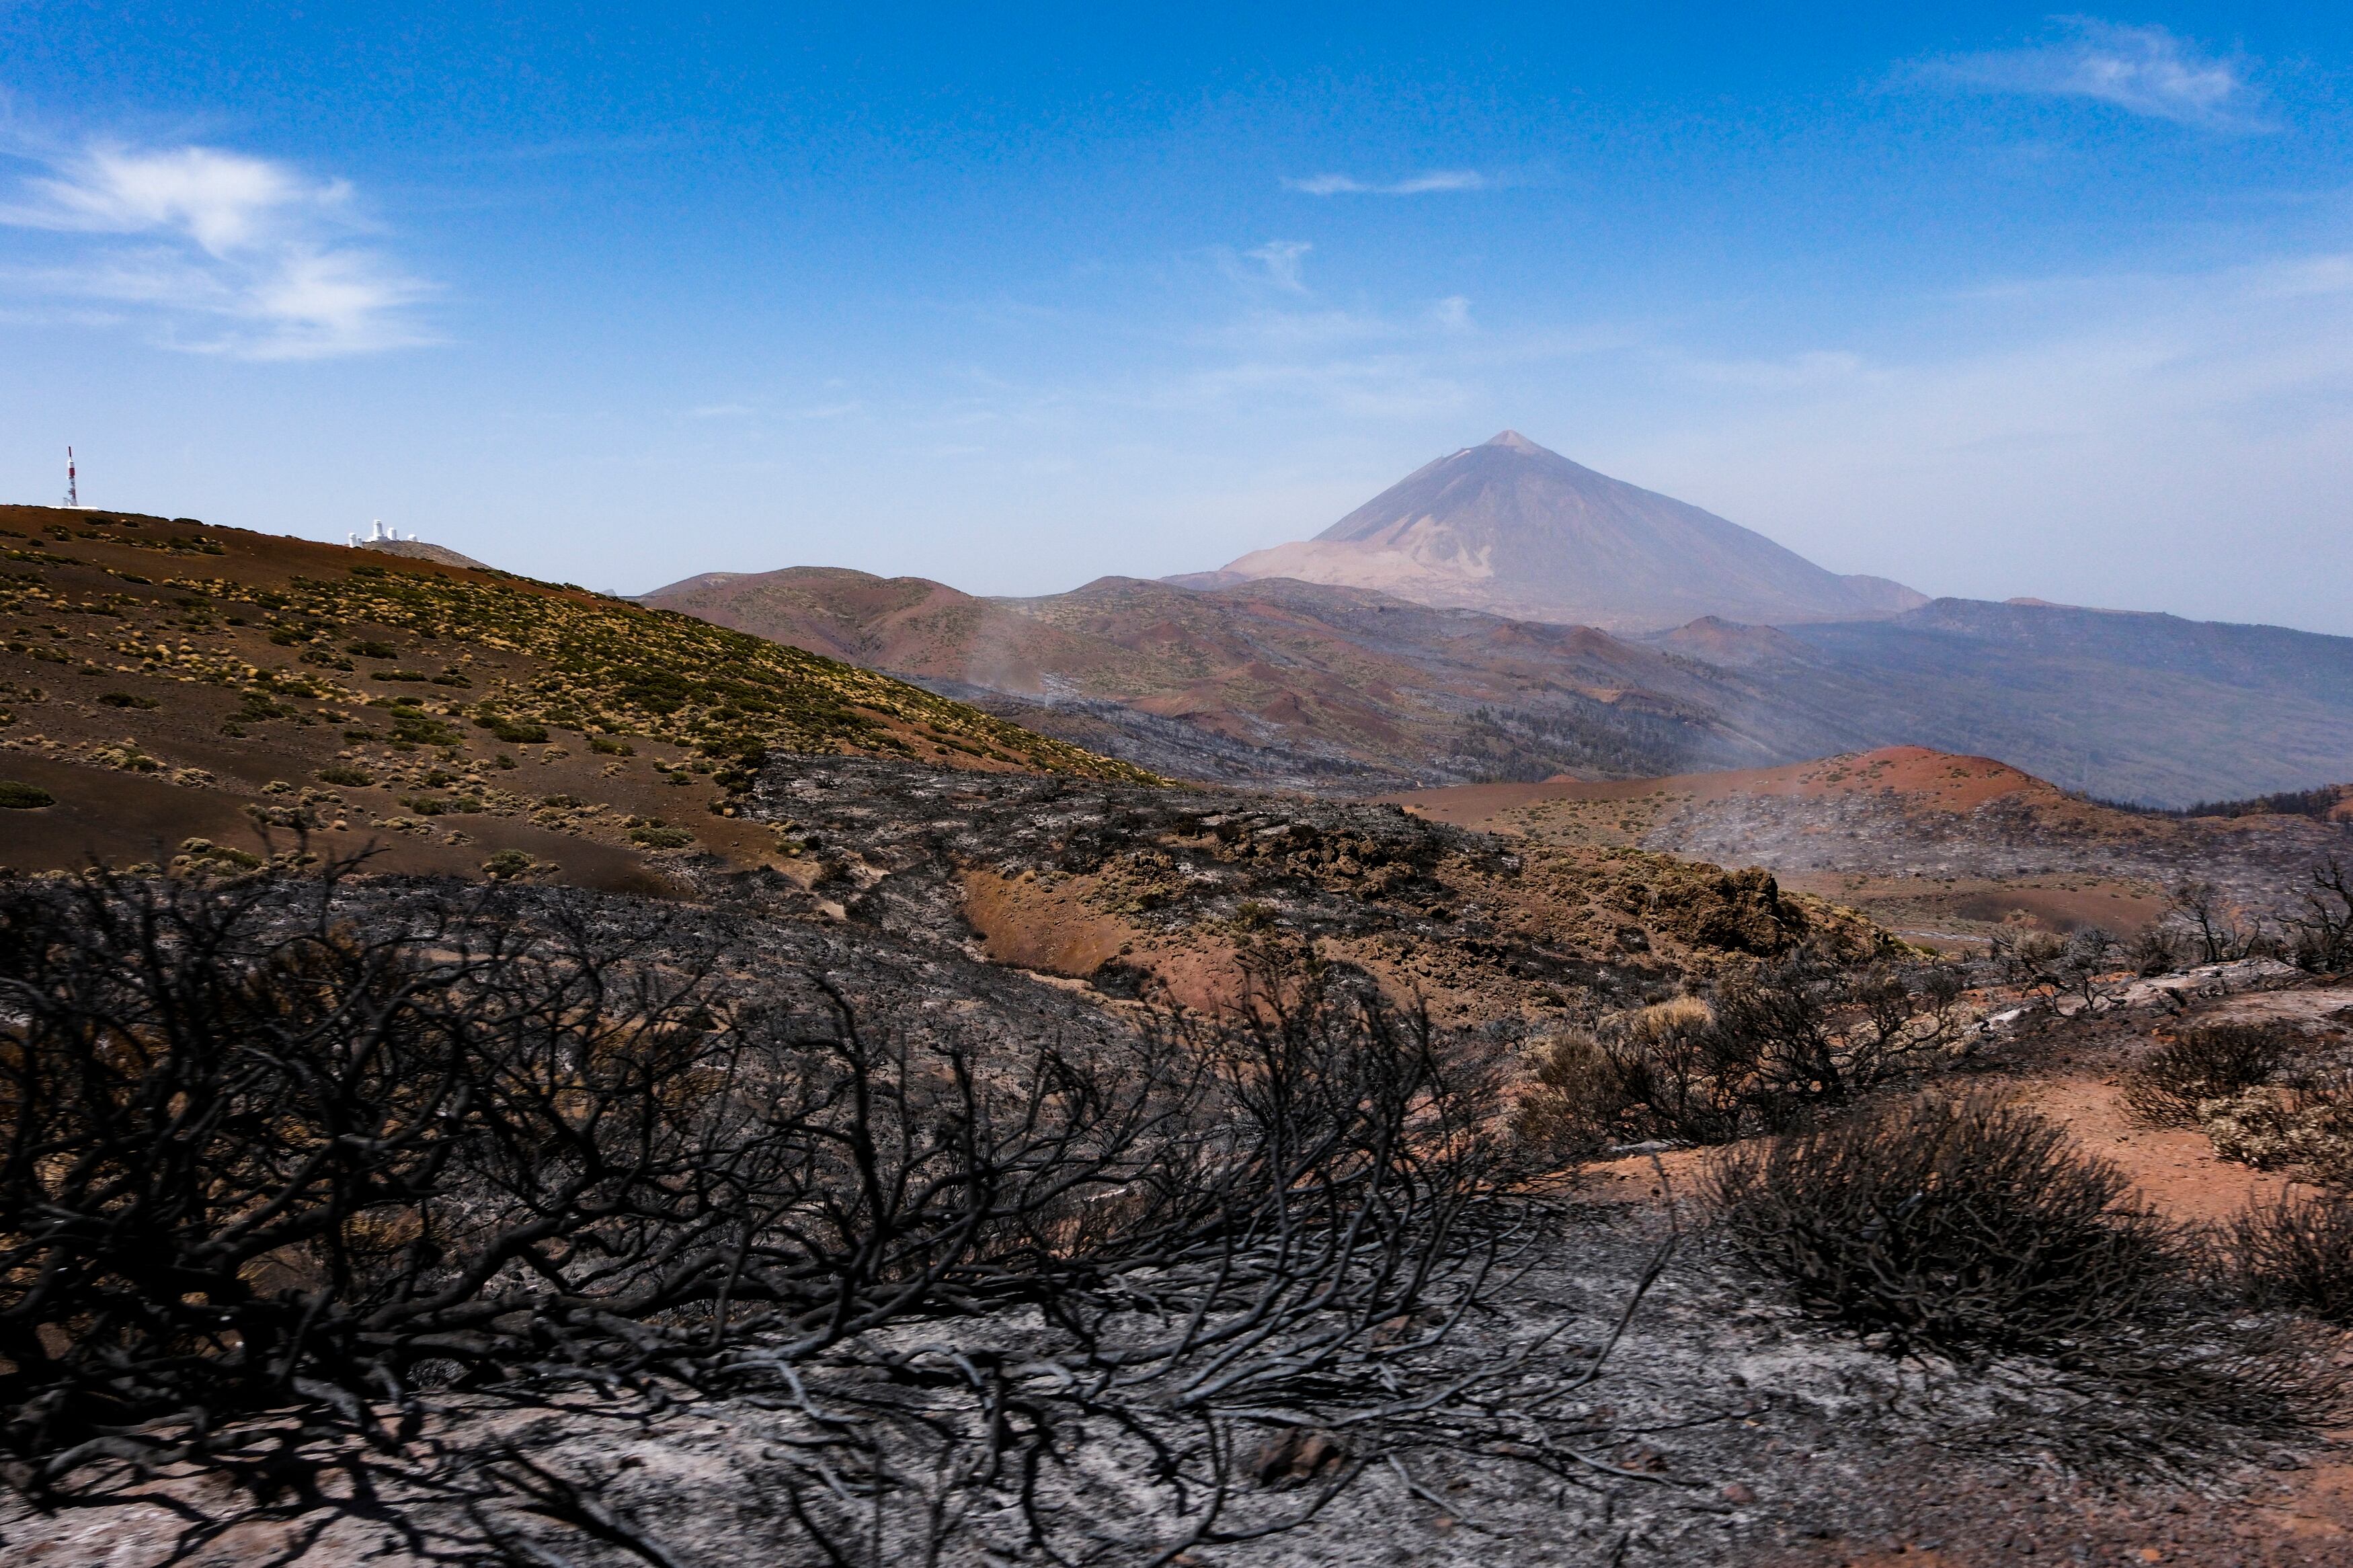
x: 1513, y: 529
x: 2146, y: 707
x: 162, y: 681
x: 1287, y: 683
x: 1277, y: 681
x: 1938, y: 846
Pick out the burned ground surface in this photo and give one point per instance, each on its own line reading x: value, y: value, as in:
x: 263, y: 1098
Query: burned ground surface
x: 1941, y: 848
x: 1139, y: 890
x: 1596, y: 1381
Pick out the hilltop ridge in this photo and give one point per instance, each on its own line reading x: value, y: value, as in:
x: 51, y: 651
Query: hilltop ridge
x: 165, y: 682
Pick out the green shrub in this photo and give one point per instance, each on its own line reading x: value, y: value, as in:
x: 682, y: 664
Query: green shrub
x: 1956, y: 1223
x: 659, y: 837
x: 16, y: 796
x: 513, y: 731
x: 509, y: 865
x: 125, y: 699
x: 419, y: 729
x: 346, y: 774
x: 605, y: 746
x: 204, y: 855
x: 370, y: 648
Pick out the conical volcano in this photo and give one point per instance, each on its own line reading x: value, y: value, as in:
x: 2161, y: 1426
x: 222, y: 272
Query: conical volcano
x: 1513, y: 529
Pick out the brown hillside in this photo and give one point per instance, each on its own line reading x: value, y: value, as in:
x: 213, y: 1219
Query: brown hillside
x: 163, y: 682
x: 1279, y: 682
x: 1942, y: 848
x: 1348, y: 691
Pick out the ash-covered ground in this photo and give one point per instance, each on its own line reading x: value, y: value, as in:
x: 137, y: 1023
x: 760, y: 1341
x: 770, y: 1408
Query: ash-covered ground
x: 1593, y: 1382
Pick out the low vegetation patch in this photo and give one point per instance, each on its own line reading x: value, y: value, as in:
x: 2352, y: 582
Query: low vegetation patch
x: 349, y: 776
x: 17, y: 795
x: 1948, y: 1222
x: 1763, y: 1049
x: 2306, y: 1128
x: 2297, y: 1252
x: 512, y: 865
x: 2218, y: 1062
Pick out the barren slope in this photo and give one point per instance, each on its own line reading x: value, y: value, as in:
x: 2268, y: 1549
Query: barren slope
x: 1271, y: 682
x: 1343, y: 689
x: 1941, y: 848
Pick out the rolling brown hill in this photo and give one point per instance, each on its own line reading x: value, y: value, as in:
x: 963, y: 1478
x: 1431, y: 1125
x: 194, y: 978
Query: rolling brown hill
x: 1281, y: 682
x: 1274, y: 683
x: 1512, y: 528
x: 170, y: 689
x: 1937, y: 847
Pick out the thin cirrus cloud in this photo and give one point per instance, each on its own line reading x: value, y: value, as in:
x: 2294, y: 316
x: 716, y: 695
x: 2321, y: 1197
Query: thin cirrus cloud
x: 2145, y: 70
x: 1435, y: 181
x: 218, y: 251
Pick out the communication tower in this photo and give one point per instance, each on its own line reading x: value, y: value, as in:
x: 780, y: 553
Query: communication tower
x: 73, y: 495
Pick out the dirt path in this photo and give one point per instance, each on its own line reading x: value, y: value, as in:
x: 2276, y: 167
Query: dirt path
x: 2176, y: 1167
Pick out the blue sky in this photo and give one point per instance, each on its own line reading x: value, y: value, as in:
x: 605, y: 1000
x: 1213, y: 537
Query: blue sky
x: 1988, y: 300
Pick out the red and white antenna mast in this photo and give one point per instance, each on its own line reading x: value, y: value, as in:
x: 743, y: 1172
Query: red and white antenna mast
x: 73, y: 496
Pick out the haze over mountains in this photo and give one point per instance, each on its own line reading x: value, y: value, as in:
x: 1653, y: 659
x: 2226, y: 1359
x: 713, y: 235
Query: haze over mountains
x: 1513, y: 529
x: 1393, y: 670
x: 1299, y: 685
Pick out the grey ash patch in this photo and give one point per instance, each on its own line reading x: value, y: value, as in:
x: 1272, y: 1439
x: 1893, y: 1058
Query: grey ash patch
x: 1721, y: 1429
x: 2262, y: 864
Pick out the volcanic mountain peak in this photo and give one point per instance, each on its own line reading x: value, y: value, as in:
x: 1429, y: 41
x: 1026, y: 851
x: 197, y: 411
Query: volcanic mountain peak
x: 1511, y: 527
x: 1514, y: 440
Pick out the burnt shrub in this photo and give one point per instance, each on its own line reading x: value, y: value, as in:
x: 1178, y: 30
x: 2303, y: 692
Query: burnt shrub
x: 1766, y: 1048
x: 2213, y: 1063
x: 1658, y: 1073
x: 2297, y: 1253
x: 273, y: 1145
x: 2154, y: 951
x: 1955, y: 1223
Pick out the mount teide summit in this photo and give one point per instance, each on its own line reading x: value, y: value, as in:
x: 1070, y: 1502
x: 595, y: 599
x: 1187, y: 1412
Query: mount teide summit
x: 1511, y: 528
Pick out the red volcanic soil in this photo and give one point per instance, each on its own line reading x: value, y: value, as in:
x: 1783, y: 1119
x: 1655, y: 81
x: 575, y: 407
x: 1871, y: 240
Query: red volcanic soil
x: 1927, y: 779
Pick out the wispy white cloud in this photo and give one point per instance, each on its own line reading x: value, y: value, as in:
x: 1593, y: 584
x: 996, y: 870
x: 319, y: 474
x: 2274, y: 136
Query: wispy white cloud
x: 2142, y: 70
x: 223, y: 252
x: 1433, y: 182
x: 1282, y: 261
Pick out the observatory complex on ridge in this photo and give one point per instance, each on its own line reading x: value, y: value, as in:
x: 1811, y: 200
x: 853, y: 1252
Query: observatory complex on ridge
x: 390, y: 542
